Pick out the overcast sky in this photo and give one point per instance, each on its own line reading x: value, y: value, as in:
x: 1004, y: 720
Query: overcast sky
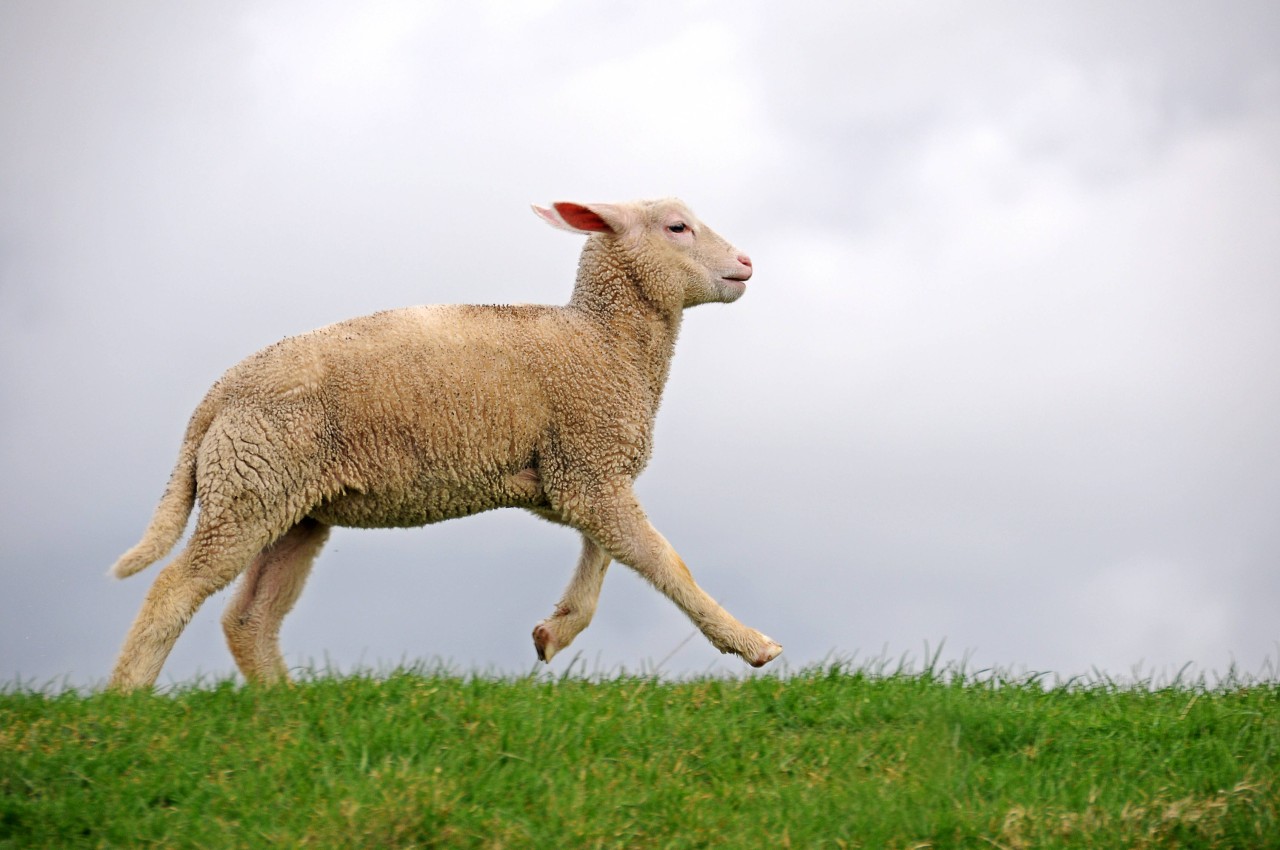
x: 1007, y: 376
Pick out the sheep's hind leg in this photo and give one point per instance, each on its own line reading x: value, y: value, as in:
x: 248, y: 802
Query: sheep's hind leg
x: 577, y: 606
x: 627, y: 535
x: 217, y: 552
x: 266, y: 593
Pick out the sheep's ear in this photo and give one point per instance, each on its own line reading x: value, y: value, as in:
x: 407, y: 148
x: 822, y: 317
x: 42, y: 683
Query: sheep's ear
x: 577, y: 218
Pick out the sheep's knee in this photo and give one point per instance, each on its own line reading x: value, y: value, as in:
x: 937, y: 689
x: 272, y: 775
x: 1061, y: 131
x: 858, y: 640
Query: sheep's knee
x: 254, y: 646
x: 241, y: 639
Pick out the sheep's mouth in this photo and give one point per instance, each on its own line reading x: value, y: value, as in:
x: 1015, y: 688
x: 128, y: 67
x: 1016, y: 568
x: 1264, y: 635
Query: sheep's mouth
x: 732, y: 288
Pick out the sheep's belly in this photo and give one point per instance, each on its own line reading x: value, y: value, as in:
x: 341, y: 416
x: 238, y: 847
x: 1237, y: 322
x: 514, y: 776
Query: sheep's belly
x: 426, y: 504
x: 359, y: 511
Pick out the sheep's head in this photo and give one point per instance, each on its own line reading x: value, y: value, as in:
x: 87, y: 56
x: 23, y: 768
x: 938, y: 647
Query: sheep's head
x: 666, y: 243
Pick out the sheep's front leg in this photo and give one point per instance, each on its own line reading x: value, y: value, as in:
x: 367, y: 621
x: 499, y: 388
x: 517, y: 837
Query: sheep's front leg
x: 618, y: 523
x: 577, y: 606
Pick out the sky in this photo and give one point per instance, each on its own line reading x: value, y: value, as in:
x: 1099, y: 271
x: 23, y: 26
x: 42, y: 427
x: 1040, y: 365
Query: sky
x: 1005, y: 385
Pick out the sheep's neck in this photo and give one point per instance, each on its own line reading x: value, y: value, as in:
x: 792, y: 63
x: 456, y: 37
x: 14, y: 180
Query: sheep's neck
x: 639, y: 328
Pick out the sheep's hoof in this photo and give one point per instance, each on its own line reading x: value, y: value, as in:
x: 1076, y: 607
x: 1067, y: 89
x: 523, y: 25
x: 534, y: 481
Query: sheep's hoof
x: 544, y: 642
x: 769, y: 652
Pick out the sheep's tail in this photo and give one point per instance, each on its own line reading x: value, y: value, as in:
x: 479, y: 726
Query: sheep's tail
x: 170, y: 517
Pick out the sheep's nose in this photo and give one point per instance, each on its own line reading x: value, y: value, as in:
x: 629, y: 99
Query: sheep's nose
x: 745, y: 260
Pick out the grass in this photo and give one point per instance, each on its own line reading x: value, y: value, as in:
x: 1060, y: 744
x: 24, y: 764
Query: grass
x: 828, y: 757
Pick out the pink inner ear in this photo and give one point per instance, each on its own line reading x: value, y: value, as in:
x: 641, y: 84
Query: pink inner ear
x: 582, y: 218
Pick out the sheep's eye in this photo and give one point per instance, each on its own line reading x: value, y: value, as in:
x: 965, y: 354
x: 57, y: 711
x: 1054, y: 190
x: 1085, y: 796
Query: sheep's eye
x: 678, y: 228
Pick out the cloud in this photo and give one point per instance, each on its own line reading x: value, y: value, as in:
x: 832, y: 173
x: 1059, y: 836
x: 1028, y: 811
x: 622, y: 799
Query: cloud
x: 1004, y: 375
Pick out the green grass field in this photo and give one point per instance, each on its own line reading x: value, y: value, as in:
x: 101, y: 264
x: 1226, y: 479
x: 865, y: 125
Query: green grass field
x: 828, y: 757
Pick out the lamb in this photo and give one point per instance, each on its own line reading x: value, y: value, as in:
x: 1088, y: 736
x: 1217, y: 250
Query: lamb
x: 421, y: 414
